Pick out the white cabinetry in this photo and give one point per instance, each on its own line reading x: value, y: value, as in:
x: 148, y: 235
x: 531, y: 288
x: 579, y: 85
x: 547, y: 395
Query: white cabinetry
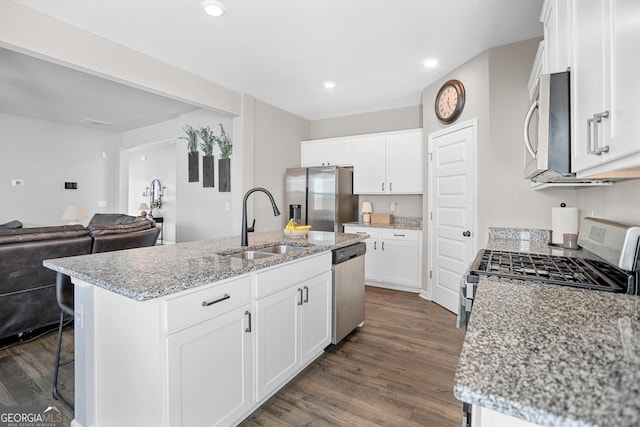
x: 325, y: 152
x: 210, y: 375
x: 209, y: 361
x: 558, y: 37
x: 388, y: 163
x: 205, y: 356
x: 293, y: 317
x: 606, y: 114
x: 393, y: 258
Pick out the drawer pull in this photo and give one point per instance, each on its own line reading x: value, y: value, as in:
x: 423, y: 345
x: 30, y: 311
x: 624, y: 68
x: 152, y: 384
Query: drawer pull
x: 360, y: 232
x: 248, y: 313
x: 398, y: 235
x: 215, y: 301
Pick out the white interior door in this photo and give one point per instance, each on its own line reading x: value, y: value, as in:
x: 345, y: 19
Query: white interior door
x: 452, y: 207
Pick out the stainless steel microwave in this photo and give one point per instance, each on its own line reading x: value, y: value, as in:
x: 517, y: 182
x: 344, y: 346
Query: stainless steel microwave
x: 547, y: 130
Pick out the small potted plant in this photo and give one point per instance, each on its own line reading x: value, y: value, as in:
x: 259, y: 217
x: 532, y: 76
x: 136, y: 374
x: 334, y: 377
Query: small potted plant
x: 207, y: 144
x: 224, y: 163
x: 192, y: 148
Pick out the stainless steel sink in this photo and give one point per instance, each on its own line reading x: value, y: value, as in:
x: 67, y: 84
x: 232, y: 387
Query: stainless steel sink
x: 251, y: 255
x: 280, y: 249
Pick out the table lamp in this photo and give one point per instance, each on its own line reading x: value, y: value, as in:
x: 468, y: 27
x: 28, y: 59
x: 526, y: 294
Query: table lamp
x: 74, y: 214
x: 367, y: 209
x: 143, y: 208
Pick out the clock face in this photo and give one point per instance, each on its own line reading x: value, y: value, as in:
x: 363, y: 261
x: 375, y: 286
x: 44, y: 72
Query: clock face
x: 450, y: 101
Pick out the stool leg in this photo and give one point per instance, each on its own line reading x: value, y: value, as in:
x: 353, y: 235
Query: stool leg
x: 57, y: 367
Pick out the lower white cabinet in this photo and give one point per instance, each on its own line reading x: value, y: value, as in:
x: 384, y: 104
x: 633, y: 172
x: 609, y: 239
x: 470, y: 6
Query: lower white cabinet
x: 393, y: 257
x: 294, y: 326
x: 207, y: 356
x: 209, y: 370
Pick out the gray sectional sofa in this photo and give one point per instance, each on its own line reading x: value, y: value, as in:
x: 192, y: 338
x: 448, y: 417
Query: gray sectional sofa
x: 27, y: 288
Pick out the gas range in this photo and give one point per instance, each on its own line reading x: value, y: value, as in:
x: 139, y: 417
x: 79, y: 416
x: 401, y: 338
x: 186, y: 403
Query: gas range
x: 554, y: 269
x: 609, y: 261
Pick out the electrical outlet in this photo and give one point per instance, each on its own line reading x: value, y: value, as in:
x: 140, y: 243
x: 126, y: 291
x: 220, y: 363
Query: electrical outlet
x: 17, y: 183
x: 226, y: 206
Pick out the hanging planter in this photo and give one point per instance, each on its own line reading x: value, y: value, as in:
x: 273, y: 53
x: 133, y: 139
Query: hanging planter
x: 192, y: 148
x: 208, y: 141
x: 224, y: 164
x: 224, y: 175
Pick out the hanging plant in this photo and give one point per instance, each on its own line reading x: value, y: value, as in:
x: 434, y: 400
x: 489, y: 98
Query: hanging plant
x: 208, y: 140
x: 192, y: 138
x: 224, y: 144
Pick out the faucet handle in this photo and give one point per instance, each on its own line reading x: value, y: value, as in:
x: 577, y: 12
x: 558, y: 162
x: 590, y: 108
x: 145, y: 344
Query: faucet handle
x: 252, y: 228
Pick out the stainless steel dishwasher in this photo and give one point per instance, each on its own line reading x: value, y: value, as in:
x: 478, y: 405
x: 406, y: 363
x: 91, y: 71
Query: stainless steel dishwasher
x: 348, y: 290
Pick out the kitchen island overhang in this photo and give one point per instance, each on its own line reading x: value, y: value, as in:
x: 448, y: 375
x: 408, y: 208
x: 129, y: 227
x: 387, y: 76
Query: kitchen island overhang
x: 140, y: 315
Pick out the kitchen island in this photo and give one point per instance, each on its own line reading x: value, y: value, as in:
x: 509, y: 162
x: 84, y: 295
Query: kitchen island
x: 192, y: 333
x: 540, y: 354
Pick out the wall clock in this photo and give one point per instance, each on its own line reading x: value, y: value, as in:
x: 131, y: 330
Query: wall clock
x: 450, y: 101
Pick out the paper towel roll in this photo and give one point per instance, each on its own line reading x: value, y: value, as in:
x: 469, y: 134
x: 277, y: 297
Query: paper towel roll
x: 563, y: 220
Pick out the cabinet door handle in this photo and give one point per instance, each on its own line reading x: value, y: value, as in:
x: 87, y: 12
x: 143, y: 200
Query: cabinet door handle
x: 391, y: 186
x: 597, y: 118
x: 215, y: 301
x: 306, y: 294
x: 248, y: 314
x: 375, y: 246
x: 383, y: 186
x: 300, y: 301
x: 383, y: 246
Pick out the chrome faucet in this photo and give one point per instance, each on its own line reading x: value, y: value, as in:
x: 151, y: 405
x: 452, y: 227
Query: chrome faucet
x: 276, y: 212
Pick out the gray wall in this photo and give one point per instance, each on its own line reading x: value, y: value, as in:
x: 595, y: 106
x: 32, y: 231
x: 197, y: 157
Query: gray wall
x: 496, y: 86
x: 377, y: 121
x: 277, y: 136
x: 45, y: 155
x: 620, y: 202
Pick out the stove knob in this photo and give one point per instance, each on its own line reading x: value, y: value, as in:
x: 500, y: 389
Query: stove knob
x: 466, y: 233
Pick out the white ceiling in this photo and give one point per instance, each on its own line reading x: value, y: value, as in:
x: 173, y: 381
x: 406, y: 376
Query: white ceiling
x: 280, y: 51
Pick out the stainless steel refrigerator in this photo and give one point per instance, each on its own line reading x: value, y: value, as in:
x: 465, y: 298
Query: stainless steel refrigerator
x: 321, y: 197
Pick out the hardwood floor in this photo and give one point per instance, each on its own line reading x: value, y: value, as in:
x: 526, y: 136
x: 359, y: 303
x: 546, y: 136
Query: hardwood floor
x: 26, y: 370
x: 395, y: 371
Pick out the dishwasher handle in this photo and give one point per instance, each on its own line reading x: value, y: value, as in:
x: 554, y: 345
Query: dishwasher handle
x: 348, y: 253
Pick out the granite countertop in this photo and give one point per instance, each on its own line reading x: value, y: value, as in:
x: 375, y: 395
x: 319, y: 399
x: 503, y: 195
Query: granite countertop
x: 146, y: 273
x: 400, y: 222
x: 552, y: 355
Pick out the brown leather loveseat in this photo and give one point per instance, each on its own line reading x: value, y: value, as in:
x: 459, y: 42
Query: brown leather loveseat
x: 27, y: 288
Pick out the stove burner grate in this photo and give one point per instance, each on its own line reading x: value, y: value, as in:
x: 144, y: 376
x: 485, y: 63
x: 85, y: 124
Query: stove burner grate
x: 561, y: 270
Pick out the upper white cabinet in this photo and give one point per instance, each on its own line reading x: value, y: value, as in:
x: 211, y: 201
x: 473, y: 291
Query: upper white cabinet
x: 325, y: 152
x: 558, y: 37
x: 388, y: 163
x: 606, y: 113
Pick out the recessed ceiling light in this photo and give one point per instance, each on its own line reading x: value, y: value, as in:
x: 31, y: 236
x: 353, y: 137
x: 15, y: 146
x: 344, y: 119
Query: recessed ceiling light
x: 212, y: 7
x: 329, y: 84
x: 430, y: 62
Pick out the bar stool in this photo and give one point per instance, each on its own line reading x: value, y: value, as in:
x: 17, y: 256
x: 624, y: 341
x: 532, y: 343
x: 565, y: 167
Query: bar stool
x: 64, y: 295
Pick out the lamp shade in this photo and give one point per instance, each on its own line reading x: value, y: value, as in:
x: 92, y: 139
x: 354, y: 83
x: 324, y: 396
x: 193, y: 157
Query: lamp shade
x: 74, y: 213
x: 143, y: 207
x: 366, y: 207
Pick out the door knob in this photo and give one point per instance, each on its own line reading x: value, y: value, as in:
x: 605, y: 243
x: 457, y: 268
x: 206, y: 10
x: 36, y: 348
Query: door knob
x: 466, y: 233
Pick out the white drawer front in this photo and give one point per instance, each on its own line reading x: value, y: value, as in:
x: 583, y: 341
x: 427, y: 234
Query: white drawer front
x: 279, y: 278
x: 372, y: 232
x: 205, y: 303
x: 399, y: 234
